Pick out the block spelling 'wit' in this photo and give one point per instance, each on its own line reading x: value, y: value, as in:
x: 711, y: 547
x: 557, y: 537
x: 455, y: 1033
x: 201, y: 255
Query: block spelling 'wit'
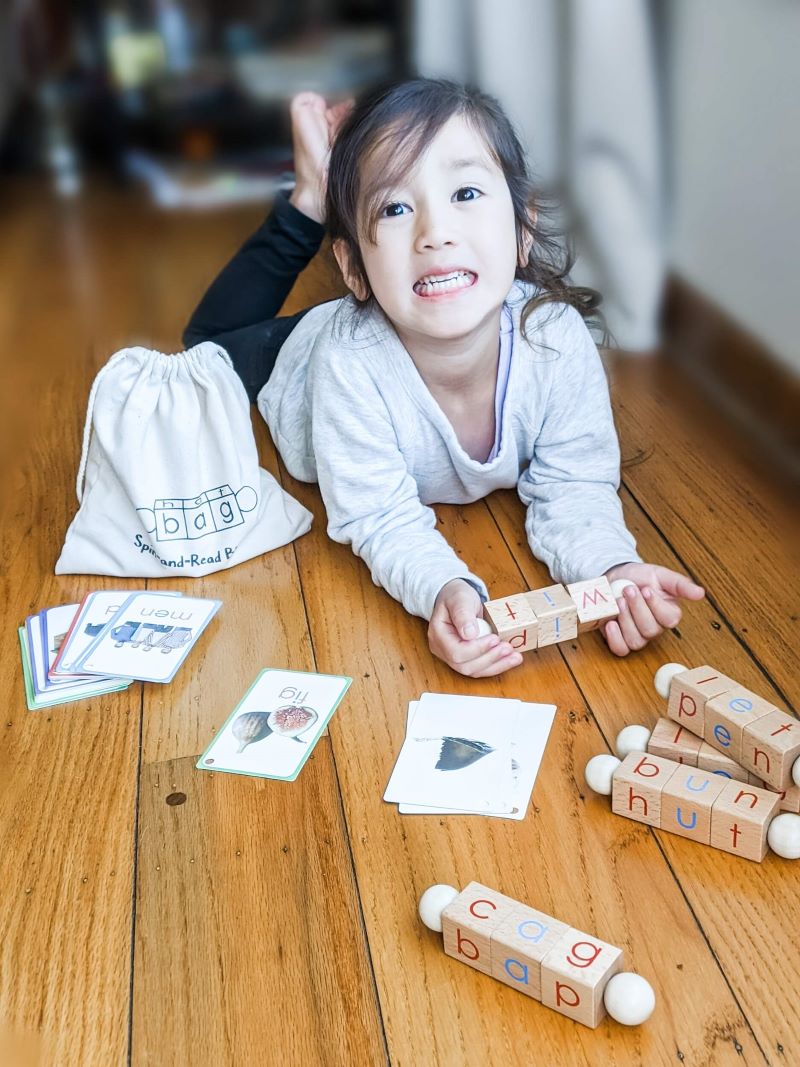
x: 594, y: 601
x: 556, y: 612
x: 513, y: 619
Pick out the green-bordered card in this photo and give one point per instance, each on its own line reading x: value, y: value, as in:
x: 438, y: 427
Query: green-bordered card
x: 274, y: 727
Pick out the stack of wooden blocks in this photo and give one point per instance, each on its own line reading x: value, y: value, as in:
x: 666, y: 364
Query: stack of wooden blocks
x: 561, y: 967
x: 556, y: 613
x: 694, y: 803
x: 736, y: 722
x: 675, y: 742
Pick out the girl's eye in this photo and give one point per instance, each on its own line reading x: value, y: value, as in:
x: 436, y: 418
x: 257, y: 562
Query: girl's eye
x: 389, y: 211
x: 468, y: 189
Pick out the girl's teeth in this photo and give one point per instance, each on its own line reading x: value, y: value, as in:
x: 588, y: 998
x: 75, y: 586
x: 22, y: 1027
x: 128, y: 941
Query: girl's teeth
x: 458, y: 281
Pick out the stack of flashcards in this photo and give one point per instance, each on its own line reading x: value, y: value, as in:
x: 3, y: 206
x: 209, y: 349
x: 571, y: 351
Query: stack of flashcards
x: 107, y: 641
x: 274, y: 727
x: 469, y: 756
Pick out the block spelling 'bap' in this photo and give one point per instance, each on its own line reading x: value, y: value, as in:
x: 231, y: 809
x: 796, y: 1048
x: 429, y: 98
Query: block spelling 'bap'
x: 575, y: 974
x: 519, y: 943
x: 572, y: 972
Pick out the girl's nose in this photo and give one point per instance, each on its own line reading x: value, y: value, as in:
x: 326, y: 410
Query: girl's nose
x: 434, y: 230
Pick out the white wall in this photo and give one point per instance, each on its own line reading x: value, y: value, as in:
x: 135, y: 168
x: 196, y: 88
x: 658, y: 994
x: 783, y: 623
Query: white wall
x: 735, y: 125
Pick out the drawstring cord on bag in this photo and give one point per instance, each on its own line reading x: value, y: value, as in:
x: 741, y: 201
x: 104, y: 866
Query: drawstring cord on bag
x: 87, y: 428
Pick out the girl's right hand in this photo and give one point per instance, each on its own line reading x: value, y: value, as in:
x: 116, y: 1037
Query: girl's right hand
x: 453, y: 634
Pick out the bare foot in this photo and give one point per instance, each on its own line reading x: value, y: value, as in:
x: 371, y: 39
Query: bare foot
x: 314, y: 129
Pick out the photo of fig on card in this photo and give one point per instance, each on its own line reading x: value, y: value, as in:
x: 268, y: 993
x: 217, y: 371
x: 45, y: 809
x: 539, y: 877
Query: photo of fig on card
x: 271, y: 732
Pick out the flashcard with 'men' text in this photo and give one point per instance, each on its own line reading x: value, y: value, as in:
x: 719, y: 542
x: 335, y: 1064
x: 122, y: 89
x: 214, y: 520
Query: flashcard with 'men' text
x: 149, y: 637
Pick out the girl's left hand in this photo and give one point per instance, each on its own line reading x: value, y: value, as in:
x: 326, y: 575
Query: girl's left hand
x: 648, y: 607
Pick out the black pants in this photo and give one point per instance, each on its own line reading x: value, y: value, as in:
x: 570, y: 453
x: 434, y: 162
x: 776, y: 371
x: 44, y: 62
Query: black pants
x: 238, y: 310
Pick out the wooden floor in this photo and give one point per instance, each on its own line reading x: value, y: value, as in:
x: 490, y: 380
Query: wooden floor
x: 270, y: 923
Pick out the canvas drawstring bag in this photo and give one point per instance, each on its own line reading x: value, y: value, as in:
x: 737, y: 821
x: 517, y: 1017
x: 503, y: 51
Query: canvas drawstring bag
x: 169, y: 483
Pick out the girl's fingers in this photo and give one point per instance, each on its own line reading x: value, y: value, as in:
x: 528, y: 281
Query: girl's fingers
x: 615, y: 640
x: 494, y: 662
x: 666, y: 612
x: 679, y: 585
x: 633, y: 608
x: 454, y: 651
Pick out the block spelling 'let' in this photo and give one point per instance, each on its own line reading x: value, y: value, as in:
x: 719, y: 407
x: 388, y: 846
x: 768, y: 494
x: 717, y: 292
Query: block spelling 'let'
x: 688, y: 693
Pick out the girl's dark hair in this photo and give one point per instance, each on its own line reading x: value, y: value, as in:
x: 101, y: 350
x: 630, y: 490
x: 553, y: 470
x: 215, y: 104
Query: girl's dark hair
x: 398, y: 122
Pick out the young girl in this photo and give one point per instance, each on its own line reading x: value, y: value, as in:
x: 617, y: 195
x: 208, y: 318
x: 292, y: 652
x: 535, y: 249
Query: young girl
x: 459, y: 364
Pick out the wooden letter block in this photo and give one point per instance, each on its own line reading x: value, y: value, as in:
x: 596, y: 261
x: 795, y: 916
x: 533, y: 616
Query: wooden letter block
x: 519, y: 944
x: 673, y: 741
x: 789, y: 799
x: 513, y: 619
x: 556, y: 612
x: 594, y: 601
x: 687, y: 800
x: 708, y: 759
x: 728, y: 714
x: 739, y: 820
x: 637, y: 787
x: 770, y: 745
x: 468, y: 922
x: 688, y: 693
x: 574, y: 976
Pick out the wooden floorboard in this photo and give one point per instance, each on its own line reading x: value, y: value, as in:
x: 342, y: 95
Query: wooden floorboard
x: 249, y: 947
x: 154, y: 914
x: 727, y: 518
x: 68, y: 775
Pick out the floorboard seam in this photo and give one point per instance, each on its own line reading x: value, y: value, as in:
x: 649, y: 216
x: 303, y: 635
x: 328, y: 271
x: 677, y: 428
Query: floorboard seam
x: 135, y: 873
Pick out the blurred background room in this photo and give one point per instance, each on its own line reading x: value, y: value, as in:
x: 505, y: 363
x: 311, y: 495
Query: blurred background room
x: 667, y: 129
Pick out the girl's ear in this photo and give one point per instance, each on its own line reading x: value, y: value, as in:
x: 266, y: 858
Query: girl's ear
x: 354, y: 284
x: 525, y: 251
x: 527, y: 241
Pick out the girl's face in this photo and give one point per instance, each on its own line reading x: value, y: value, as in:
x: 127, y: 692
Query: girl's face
x: 452, y: 218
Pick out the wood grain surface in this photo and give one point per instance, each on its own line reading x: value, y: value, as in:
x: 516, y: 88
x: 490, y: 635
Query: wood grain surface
x: 153, y: 914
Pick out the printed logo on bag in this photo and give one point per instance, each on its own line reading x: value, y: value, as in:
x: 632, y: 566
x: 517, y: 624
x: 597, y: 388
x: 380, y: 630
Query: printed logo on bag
x: 189, y: 518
